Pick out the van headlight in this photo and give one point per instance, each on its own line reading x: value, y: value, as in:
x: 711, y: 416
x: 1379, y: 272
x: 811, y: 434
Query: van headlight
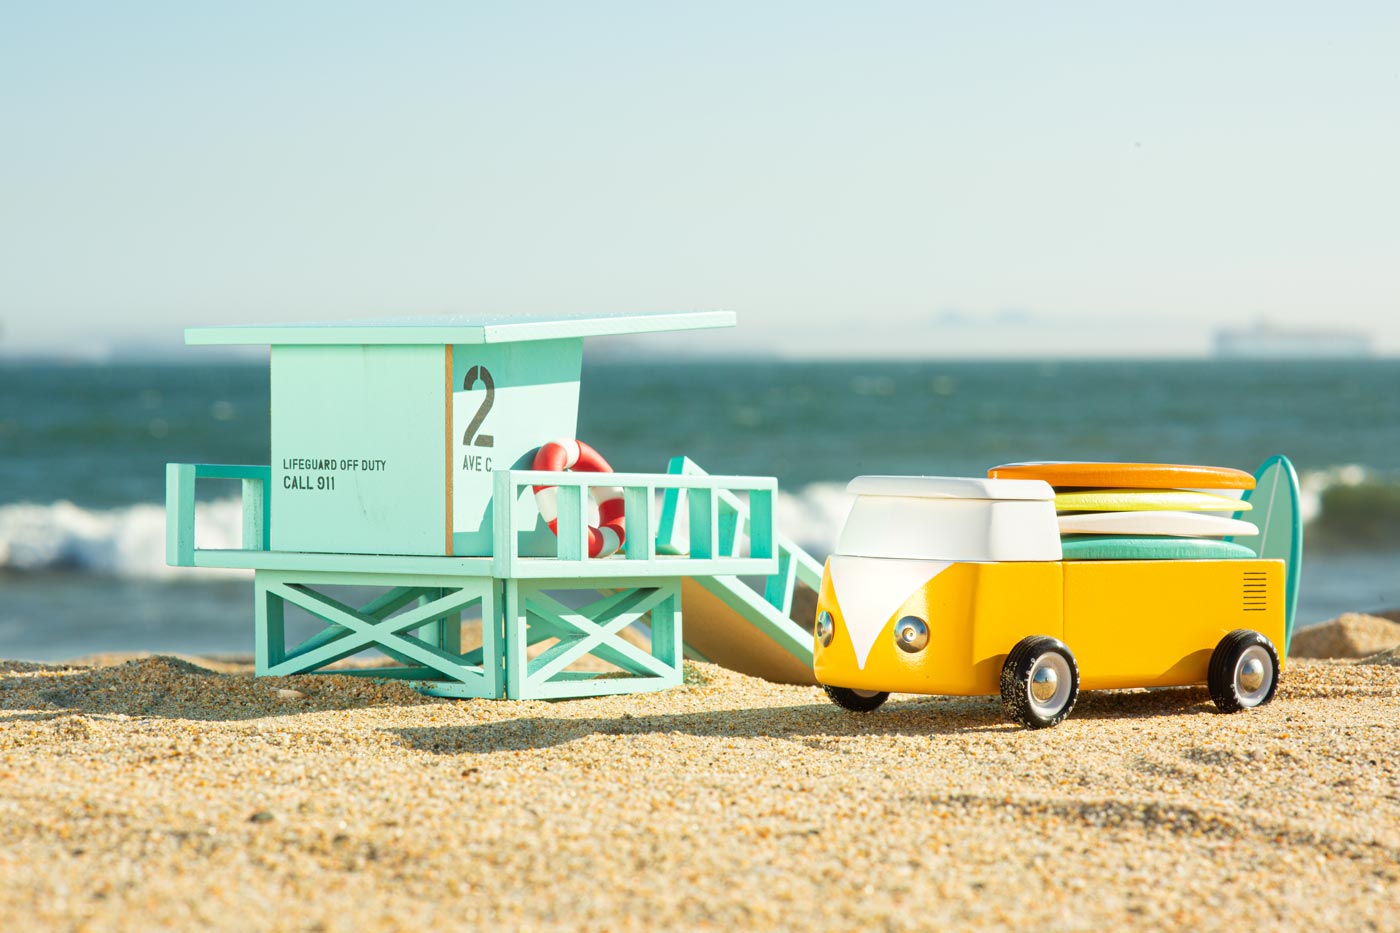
x: 911, y: 634
x: 826, y: 628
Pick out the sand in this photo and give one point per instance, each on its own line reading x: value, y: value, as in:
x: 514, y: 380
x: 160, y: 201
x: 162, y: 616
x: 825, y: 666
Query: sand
x: 160, y: 794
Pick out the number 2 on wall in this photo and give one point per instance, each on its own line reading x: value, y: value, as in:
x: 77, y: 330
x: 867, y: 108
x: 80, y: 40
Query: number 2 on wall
x: 482, y: 440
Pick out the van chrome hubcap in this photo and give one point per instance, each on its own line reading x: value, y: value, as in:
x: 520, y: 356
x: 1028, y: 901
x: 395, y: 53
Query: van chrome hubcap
x: 1044, y: 682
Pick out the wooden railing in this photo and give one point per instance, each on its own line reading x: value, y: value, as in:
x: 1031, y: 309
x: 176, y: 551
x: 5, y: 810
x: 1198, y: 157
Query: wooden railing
x: 795, y: 565
x: 710, y: 545
x: 180, y: 480
x: 719, y: 522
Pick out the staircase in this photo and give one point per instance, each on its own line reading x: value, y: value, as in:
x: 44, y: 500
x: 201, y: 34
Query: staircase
x: 742, y: 623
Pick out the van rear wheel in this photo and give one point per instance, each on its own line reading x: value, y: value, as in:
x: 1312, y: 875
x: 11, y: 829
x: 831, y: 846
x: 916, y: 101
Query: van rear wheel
x: 1243, y: 671
x: 1039, y: 682
x: 857, y: 701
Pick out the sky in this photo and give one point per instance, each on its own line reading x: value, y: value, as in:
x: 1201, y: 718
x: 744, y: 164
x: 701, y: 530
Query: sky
x: 874, y: 179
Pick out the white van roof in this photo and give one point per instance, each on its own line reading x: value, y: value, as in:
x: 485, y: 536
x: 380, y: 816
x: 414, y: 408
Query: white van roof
x: 951, y: 487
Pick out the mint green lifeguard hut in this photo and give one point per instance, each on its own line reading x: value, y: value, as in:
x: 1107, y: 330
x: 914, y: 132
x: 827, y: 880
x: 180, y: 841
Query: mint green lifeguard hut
x: 398, y: 506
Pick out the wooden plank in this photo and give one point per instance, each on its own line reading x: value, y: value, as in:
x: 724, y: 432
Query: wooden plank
x: 342, y: 563
x: 179, y: 514
x: 777, y: 589
x: 734, y: 627
x: 597, y: 635
x: 448, y: 450
x: 704, y: 524
x: 256, y: 498
x: 573, y: 527
x: 357, y: 450
x: 637, y: 502
x: 367, y: 633
x: 763, y: 525
x: 534, y: 568
x: 659, y: 480
x: 593, y: 685
x: 506, y: 401
x: 269, y: 636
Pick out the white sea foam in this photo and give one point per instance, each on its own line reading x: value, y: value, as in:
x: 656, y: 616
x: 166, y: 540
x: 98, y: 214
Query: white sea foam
x: 1314, y: 483
x: 125, y: 542
x: 813, y: 516
x: 129, y: 542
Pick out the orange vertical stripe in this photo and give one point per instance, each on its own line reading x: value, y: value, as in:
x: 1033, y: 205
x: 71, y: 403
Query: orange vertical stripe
x: 447, y: 421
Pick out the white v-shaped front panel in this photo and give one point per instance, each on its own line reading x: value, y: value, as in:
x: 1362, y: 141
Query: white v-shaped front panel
x: 871, y: 589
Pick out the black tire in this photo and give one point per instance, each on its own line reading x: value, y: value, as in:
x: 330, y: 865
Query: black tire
x: 1229, y: 676
x: 857, y: 702
x: 1039, y: 652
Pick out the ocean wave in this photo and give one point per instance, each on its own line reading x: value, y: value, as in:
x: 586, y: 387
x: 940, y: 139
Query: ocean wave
x: 1351, y: 508
x: 126, y: 542
x: 1345, y: 507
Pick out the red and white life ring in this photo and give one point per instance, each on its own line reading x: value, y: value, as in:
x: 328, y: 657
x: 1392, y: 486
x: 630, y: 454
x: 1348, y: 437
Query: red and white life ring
x: 557, y: 456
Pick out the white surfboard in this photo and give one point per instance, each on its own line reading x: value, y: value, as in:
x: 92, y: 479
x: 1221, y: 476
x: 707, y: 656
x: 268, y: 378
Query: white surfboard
x: 1181, y: 524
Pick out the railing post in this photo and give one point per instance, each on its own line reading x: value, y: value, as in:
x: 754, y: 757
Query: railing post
x: 573, y: 528
x: 179, y: 514
x: 255, y: 508
x: 761, y: 523
x: 637, y: 504
x: 503, y: 519
x: 777, y: 589
x: 704, y: 523
x: 728, y: 528
x: 671, y: 498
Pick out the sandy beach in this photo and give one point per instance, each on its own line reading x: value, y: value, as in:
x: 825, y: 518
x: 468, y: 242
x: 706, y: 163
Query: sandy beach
x: 157, y: 793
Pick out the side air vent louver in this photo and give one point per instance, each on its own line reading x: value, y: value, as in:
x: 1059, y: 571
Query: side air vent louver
x: 1256, y: 591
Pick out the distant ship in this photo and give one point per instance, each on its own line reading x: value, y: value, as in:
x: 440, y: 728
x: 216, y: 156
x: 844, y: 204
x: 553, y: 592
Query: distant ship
x: 1265, y: 341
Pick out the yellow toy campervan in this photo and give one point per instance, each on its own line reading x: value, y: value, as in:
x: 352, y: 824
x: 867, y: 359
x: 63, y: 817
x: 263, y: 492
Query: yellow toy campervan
x: 1048, y: 577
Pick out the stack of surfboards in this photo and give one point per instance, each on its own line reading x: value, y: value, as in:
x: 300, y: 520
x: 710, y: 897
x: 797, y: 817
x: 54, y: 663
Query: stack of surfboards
x: 1145, y: 511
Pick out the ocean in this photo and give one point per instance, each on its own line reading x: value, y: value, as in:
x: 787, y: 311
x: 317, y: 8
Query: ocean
x: 83, y: 449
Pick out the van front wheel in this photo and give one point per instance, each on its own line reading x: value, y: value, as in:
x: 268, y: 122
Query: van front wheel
x: 1039, y: 682
x: 857, y: 701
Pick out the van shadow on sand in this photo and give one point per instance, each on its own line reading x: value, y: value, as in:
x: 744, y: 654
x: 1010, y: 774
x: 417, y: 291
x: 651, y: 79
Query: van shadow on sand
x: 810, y: 724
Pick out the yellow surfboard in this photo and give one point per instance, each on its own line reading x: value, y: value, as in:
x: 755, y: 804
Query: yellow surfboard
x: 1126, y: 475
x: 1145, y: 500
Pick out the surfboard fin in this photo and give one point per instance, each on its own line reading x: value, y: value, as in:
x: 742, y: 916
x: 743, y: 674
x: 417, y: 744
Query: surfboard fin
x: 1276, y: 511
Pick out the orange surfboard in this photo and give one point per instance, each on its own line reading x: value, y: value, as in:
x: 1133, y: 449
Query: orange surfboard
x: 1127, y: 475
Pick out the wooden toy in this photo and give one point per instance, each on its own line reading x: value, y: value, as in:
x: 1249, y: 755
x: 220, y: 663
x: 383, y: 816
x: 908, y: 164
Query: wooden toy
x: 1154, y: 523
x: 964, y: 587
x: 1134, y: 475
x: 420, y: 478
x: 1145, y: 500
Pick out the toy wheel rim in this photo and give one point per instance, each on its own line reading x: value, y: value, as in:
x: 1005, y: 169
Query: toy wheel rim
x: 1254, y: 675
x: 1049, y: 667
x: 866, y: 694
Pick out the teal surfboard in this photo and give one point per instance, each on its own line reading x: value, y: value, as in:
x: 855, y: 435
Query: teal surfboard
x: 1123, y: 547
x: 1280, y: 521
